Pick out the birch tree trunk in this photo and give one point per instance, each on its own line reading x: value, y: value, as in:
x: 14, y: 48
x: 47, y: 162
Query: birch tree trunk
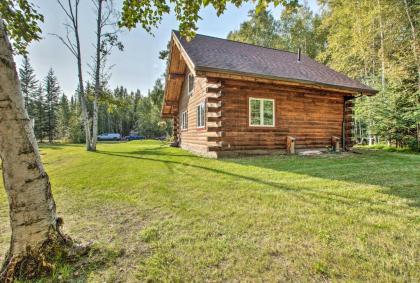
x: 97, y: 75
x: 33, y: 220
x: 414, y: 42
x: 72, y: 13
x: 83, y: 99
x: 382, y: 47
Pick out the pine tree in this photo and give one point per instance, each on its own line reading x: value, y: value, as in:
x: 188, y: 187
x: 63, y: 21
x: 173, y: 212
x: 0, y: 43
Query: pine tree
x: 76, y: 130
x: 64, y: 117
x: 52, y: 93
x: 157, y: 93
x: 39, y: 108
x: 28, y: 85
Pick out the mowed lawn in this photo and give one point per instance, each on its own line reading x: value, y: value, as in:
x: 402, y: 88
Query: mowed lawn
x: 162, y: 214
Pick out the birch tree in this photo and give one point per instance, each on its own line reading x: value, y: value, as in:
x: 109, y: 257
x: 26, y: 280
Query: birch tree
x: 36, y: 228
x: 414, y: 31
x: 149, y: 14
x: 72, y: 42
x: 106, y: 39
x: 376, y: 42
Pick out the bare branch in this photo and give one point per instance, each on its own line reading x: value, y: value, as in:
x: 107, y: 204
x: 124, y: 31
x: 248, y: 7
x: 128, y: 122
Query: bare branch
x: 69, y: 45
x: 64, y: 9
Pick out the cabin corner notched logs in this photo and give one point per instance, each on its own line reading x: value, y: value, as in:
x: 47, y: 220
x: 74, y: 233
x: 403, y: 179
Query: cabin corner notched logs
x: 312, y: 103
x: 313, y: 119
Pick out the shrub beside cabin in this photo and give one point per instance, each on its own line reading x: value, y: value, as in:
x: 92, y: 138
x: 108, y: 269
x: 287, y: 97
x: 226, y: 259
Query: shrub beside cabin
x: 228, y: 97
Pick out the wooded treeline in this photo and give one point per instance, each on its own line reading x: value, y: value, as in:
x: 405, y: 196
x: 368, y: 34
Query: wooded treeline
x: 57, y: 116
x: 374, y: 41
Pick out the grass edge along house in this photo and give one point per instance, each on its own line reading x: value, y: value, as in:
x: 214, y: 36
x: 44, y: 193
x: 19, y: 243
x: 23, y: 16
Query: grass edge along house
x: 228, y: 97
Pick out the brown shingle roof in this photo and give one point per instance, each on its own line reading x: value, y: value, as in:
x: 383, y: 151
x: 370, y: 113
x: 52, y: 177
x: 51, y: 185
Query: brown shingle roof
x: 211, y: 53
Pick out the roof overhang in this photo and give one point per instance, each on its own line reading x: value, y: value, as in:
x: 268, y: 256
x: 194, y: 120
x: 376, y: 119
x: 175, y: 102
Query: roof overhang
x: 178, y: 65
x: 229, y: 74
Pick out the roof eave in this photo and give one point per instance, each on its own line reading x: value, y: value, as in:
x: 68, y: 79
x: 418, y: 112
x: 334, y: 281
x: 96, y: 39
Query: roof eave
x: 174, y: 41
x: 368, y: 92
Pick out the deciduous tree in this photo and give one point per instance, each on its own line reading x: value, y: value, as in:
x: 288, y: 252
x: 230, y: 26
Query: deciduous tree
x: 150, y: 13
x: 36, y: 228
x: 106, y: 40
x: 73, y: 44
x: 296, y: 28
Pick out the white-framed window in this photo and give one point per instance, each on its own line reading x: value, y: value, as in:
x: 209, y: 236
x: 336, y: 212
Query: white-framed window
x: 190, y: 84
x: 201, y: 115
x: 261, y: 112
x: 184, y: 120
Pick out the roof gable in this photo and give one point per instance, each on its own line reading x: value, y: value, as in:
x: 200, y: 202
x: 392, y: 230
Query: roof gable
x: 215, y: 54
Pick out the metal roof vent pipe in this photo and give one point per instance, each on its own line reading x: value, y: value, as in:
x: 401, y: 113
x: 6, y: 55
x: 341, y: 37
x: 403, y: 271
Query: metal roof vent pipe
x: 299, y: 55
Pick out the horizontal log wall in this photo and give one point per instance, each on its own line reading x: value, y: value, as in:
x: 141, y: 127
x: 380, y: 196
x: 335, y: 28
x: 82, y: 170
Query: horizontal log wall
x: 311, y: 116
x: 193, y: 138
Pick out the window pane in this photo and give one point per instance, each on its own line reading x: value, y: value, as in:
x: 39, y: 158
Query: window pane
x: 203, y: 113
x: 255, y: 112
x: 184, y: 120
x: 268, y: 113
x: 200, y: 115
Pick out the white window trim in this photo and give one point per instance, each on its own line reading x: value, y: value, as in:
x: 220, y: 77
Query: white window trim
x: 184, y: 122
x: 262, y: 112
x: 202, y: 105
x: 190, y: 91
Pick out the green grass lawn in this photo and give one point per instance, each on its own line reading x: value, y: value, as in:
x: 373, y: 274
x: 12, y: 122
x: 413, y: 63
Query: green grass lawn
x: 161, y: 214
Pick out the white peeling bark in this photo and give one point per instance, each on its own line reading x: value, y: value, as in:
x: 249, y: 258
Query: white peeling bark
x: 414, y: 42
x: 94, y: 124
x: 97, y: 72
x: 71, y: 9
x: 32, y: 208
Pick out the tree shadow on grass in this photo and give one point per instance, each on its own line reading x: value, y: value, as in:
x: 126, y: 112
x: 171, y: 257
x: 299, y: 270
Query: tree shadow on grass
x: 154, y: 152
x: 398, y: 174
x: 305, y: 194
x: 162, y: 150
x: 57, y: 146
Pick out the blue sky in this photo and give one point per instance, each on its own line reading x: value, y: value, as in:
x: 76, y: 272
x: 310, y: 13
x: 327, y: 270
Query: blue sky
x: 138, y: 66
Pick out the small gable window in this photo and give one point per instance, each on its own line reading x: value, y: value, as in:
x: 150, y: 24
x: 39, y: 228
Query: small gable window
x: 201, y: 114
x: 261, y: 112
x: 184, y: 120
x: 190, y: 82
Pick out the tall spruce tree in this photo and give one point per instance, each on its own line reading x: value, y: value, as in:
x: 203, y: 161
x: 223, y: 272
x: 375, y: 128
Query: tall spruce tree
x: 36, y: 228
x: 64, y: 116
x: 40, y: 115
x: 28, y: 85
x: 52, y: 94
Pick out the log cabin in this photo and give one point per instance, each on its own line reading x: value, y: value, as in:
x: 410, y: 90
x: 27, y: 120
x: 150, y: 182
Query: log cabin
x: 228, y: 98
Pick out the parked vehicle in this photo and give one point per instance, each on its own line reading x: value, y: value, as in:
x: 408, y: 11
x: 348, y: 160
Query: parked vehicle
x: 109, y: 137
x: 134, y: 137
